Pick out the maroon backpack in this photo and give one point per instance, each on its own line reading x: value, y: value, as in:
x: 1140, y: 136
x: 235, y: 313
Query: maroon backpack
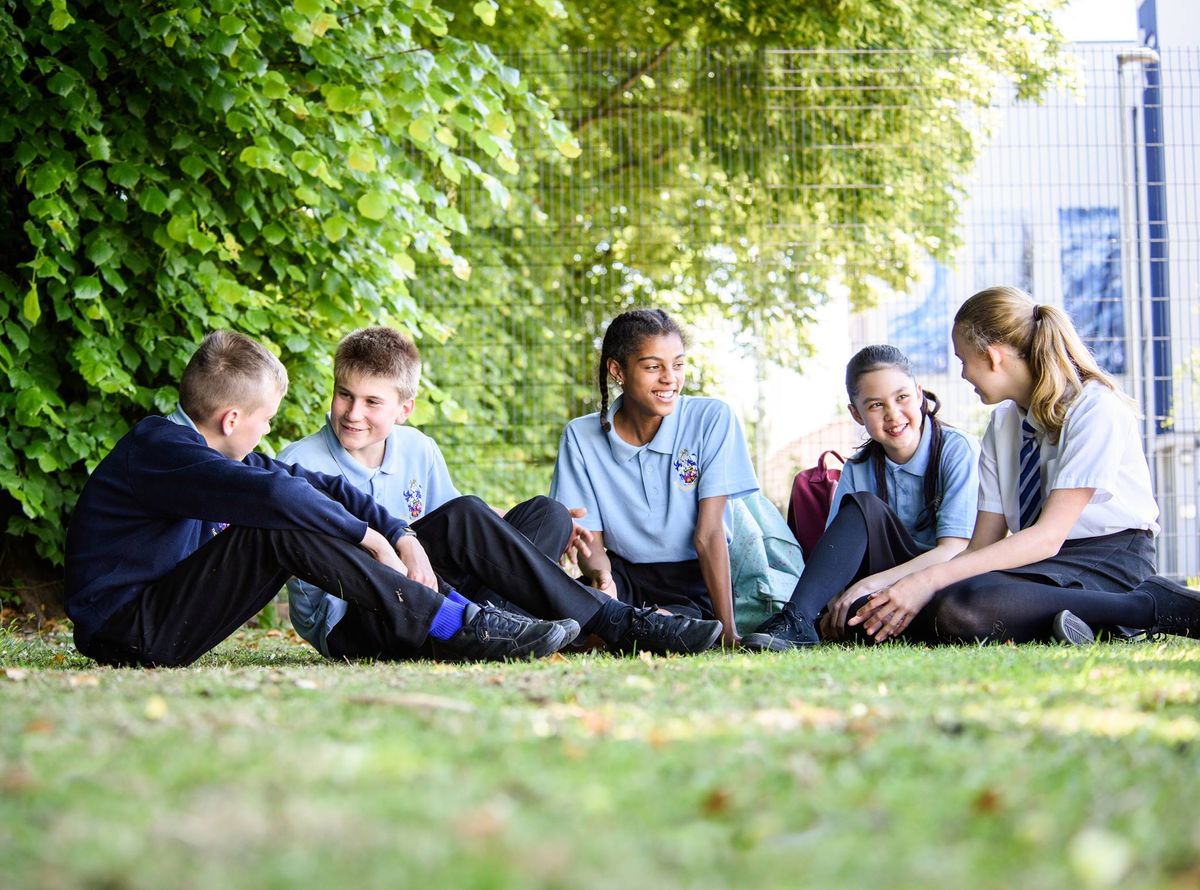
x: 812, y: 494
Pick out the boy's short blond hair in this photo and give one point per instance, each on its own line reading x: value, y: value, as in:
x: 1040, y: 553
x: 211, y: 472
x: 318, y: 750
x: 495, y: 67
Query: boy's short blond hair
x: 229, y: 370
x: 379, y: 352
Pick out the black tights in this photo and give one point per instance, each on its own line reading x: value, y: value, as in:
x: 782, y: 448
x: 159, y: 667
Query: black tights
x: 866, y: 537
x: 1000, y: 606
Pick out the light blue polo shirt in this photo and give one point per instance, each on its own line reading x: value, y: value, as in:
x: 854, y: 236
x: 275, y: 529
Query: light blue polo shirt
x: 959, y: 483
x: 645, y: 499
x: 411, y: 481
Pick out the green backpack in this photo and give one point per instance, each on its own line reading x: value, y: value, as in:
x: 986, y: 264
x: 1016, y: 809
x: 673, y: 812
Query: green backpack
x: 764, y: 559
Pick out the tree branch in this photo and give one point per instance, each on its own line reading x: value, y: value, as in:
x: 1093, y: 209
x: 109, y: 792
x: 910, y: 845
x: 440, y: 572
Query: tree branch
x: 602, y: 108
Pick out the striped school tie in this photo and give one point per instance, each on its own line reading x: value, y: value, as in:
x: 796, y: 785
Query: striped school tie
x: 1030, y: 482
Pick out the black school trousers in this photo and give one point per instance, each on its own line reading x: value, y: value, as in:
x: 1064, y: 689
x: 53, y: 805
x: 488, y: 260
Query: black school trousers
x: 215, y: 590
x: 511, y: 563
x: 228, y: 580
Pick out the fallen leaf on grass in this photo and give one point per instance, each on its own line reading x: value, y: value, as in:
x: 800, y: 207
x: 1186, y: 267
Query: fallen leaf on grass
x: 1186, y: 880
x: 485, y: 822
x: 986, y: 801
x: 16, y: 674
x: 83, y: 681
x: 716, y: 802
x: 595, y: 723
x: 557, y: 656
x: 156, y: 708
x: 657, y: 738
x: 39, y: 726
x: 274, y: 634
x: 416, y: 700
x: 798, y: 715
x: 16, y: 781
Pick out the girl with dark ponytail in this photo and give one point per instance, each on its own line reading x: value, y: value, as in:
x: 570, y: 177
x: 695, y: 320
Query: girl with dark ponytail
x: 905, y: 501
x: 655, y: 470
x: 1064, y: 539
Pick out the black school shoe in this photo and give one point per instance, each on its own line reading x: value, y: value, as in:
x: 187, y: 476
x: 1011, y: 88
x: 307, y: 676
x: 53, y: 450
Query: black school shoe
x: 782, y: 631
x: 651, y: 631
x: 1072, y: 630
x: 490, y: 634
x: 1176, y: 608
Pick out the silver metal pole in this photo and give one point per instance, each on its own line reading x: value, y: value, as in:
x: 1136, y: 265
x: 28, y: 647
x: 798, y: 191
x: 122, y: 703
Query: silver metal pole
x: 1133, y: 260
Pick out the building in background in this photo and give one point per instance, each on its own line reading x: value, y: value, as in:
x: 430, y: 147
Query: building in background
x: 1088, y: 201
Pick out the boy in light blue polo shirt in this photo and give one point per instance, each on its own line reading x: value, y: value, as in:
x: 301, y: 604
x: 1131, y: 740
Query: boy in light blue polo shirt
x: 364, y: 440
x: 376, y: 371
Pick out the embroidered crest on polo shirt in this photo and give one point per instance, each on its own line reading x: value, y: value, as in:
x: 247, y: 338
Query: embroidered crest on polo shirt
x: 414, y: 498
x: 687, y: 471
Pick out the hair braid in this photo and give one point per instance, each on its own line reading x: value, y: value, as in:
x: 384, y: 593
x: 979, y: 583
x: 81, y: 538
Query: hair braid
x: 624, y: 335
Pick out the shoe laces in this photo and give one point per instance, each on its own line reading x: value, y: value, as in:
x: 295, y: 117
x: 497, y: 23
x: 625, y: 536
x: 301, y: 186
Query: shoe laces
x: 783, y: 620
x: 643, y: 625
x: 498, y: 622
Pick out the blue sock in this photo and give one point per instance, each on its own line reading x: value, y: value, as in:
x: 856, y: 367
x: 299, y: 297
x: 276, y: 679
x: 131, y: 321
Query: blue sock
x: 455, y: 597
x: 448, y: 621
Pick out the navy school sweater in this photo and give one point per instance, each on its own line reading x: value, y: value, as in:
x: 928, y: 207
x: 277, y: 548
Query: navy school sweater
x: 161, y: 493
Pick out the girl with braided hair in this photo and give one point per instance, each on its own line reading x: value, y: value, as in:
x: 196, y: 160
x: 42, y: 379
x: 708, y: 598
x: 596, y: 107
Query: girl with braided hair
x: 655, y: 470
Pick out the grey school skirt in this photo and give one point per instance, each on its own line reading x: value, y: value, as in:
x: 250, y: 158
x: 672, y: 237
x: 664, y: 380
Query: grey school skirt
x: 1116, y: 562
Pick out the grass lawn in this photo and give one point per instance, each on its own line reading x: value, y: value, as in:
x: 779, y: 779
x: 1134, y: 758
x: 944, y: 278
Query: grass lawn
x: 264, y: 767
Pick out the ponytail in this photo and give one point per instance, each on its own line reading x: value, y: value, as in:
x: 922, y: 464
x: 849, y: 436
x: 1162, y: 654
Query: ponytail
x: 1042, y: 335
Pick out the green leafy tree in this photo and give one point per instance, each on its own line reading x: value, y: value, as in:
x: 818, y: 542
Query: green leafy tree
x: 295, y: 170
x: 722, y: 175
x: 173, y: 167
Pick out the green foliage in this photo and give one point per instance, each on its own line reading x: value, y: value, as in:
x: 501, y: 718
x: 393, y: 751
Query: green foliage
x: 173, y: 168
x: 295, y: 170
x: 722, y: 177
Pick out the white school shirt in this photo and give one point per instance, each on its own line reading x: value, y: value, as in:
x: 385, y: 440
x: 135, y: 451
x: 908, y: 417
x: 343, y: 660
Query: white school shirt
x: 645, y: 499
x: 1098, y: 448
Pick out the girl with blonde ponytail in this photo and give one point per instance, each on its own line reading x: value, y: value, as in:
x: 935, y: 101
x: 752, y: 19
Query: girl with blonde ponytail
x: 1064, y: 537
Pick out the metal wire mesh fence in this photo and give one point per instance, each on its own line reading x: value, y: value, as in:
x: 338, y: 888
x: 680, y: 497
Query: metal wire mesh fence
x: 792, y: 206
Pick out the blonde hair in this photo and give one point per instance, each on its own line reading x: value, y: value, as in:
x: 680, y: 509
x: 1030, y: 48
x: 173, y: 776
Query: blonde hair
x: 380, y: 352
x: 1043, y: 336
x: 229, y: 369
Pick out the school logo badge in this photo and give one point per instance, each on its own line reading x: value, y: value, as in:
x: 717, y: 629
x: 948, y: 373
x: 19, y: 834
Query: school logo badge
x: 415, y: 499
x: 687, y: 471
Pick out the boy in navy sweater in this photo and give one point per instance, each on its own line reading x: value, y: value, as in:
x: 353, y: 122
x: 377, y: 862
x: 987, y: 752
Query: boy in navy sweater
x: 183, y: 533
